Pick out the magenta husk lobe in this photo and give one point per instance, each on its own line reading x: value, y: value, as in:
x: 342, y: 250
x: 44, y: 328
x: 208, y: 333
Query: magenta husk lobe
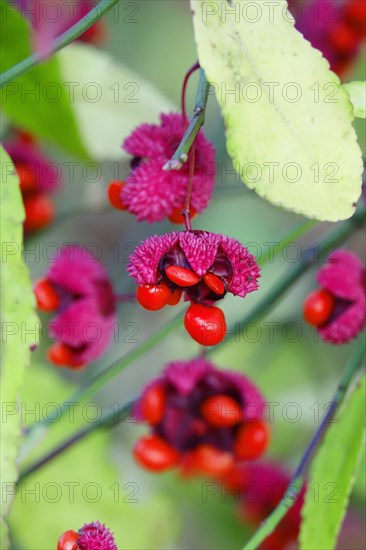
x: 152, y: 193
x: 202, y: 252
x: 95, y: 536
x: 84, y: 321
x: 344, y: 277
x: 48, y: 174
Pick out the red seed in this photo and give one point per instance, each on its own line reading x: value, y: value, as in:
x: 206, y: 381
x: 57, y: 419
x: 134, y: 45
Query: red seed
x: 175, y: 297
x: 68, y: 541
x: 355, y: 14
x: 39, y: 212
x: 221, y: 411
x: 318, y: 307
x: 27, y: 177
x: 46, y: 295
x: 114, y: 194
x: 343, y: 38
x: 61, y: 355
x: 153, y: 404
x: 214, y: 283
x: 252, y: 440
x: 181, y: 276
x: 153, y: 297
x: 155, y: 454
x: 206, y: 325
x: 207, y: 460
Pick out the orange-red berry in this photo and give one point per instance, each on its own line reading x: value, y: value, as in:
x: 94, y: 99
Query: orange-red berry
x: 343, y: 38
x: 355, y: 14
x: 114, y: 194
x: 68, y: 541
x: 154, y: 454
x: 27, y: 178
x: 251, y: 440
x: 61, y: 355
x: 181, y: 276
x: 214, y: 283
x: 318, y: 307
x: 39, y: 211
x: 175, y: 297
x: 153, y: 297
x: 205, y: 324
x: 46, y: 295
x: 152, y: 404
x: 208, y: 460
x: 221, y: 411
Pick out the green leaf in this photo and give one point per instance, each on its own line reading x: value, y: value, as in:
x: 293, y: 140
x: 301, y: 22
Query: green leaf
x: 108, y: 98
x: 37, y: 101
x: 288, y: 120
x: 332, y: 475
x: 19, y: 328
x: 357, y: 94
x: 88, y: 482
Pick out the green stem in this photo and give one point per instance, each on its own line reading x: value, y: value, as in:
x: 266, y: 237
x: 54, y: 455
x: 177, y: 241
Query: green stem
x: 297, y: 482
x: 290, y: 238
x: 310, y: 256
x: 58, y: 43
x: 108, y: 420
x: 107, y: 374
x: 198, y: 118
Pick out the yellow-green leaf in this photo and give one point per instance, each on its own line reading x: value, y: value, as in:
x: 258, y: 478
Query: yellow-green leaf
x: 332, y: 475
x: 288, y: 120
x: 19, y: 327
x: 357, y: 94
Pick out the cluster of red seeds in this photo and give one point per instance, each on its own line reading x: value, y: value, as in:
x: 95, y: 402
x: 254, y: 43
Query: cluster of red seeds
x: 39, y: 206
x: 48, y: 301
x: 154, y: 453
x: 205, y: 324
x: 346, y: 35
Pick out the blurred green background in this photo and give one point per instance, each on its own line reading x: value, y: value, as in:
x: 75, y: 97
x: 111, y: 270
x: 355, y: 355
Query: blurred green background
x: 155, y: 39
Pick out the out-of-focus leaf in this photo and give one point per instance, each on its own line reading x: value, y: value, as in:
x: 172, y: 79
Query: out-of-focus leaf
x: 19, y: 329
x: 37, y: 101
x: 84, y: 483
x: 357, y: 94
x: 332, y: 475
x: 108, y: 98
x: 288, y: 120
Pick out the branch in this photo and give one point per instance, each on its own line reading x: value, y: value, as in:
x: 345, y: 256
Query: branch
x: 58, y: 43
x: 181, y: 154
x: 297, y: 482
x: 107, y: 421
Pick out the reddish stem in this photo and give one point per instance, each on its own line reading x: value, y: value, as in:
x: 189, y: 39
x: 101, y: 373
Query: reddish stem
x: 186, y: 212
x: 190, y: 71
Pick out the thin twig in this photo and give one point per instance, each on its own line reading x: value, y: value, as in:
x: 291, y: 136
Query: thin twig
x: 58, y: 43
x: 297, y: 482
x: 181, y: 154
x: 187, y: 205
x: 107, y: 421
